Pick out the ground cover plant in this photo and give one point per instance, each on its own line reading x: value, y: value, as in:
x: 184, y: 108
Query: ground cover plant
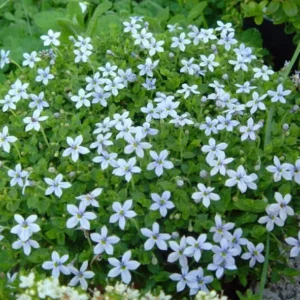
x: 164, y: 158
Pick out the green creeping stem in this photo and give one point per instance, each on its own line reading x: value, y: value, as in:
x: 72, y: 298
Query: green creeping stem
x: 267, y: 140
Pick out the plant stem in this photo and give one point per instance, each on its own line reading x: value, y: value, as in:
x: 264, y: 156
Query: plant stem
x: 13, y: 112
x: 18, y: 151
x: 264, y: 274
x: 268, y: 131
x: 292, y: 62
x: 44, y: 135
x: 16, y: 64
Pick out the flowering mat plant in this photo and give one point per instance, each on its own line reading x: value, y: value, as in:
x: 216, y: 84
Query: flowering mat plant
x: 166, y: 160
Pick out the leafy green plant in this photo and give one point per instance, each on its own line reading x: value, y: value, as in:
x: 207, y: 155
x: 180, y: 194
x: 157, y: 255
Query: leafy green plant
x: 147, y: 152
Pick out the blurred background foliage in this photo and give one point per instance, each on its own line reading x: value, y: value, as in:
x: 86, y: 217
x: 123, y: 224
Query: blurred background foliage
x: 22, y: 22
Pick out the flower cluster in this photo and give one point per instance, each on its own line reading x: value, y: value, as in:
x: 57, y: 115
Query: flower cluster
x: 114, y: 146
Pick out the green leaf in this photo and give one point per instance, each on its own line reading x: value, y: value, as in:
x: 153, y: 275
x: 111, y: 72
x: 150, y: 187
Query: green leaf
x: 196, y: 11
x: 100, y: 10
x: 290, y: 8
x: 272, y: 7
x: 258, y: 19
x: 46, y: 20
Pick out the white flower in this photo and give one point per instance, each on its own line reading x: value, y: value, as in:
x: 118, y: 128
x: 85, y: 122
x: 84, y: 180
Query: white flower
x: 248, y: 132
x: 142, y: 37
x: 82, y: 55
x: 201, y: 280
x: 209, y: 62
x: 280, y: 170
x: 183, y: 279
x: 51, y: 38
x: 282, y: 206
x: 160, y: 163
x: 5, y: 140
x: 205, y: 195
x: 102, y: 142
x: 30, y: 59
x: 136, y: 145
x: 90, y: 198
x: 27, y: 281
x: 221, y: 230
x: 122, y: 212
x: 79, y: 216
x: 162, y: 203
x: 17, y: 175
x: 227, y: 40
x: 155, y: 238
x: 4, y: 58
x: 81, y: 275
x: 33, y: 122
x: 210, y: 126
x: 25, y: 228
x: 196, y: 247
x: 213, y: 150
x: 241, y: 179
x: 263, y: 73
x: 187, y: 90
x: 8, y: 103
x: 56, y: 185
x: 219, y: 164
x: 149, y: 84
x: 75, y: 149
x: 82, y: 99
x: 180, y: 42
x: 114, y: 85
x: 84, y: 43
x: 106, y: 159
x: 178, y: 253
x: 279, y: 94
x: 296, y: 171
x: 154, y: 46
x: 123, y: 267
x: 244, y: 88
x: 44, y: 76
x: 147, y: 68
x: 224, y: 27
x: 126, y: 168
x: 256, y: 102
x: 296, y: 243
x: 26, y: 244
x: 131, y: 26
x: 206, y: 35
x: 56, y: 265
x: 239, y: 63
x: 104, y: 242
x: 38, y: 101
x: 271, y: 218
x: 254, y: 254
x: 18, y: 90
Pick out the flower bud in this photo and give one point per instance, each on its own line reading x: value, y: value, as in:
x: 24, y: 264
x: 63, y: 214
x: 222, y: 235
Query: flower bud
x: 171, y: 54
x: 180, y: 182
x: 257, y: 168
x: 177, y: 216
x: 154, y: 260
x: 1, y: 163
x: 61, y: 111
x: 72, y: 174
x: 282, y: 158
x: 175, y: 235
x: 287, y: 133
x: 235, y: 198
x: 242, y: 160
x: 225, y: 77
x: 285, y: 126
x: 56, y: 115
x: 109, y: 52
x: 242, y: 152
x: 203, y: 174
x: 67, y: 125
x: 190, y: 228
x: 56, y: 154
x: 53, y: 94
x: 203, y: 99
